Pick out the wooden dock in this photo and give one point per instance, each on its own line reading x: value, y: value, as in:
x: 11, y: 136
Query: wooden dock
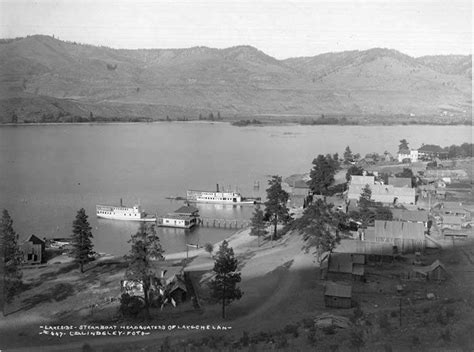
x: 224, y: 223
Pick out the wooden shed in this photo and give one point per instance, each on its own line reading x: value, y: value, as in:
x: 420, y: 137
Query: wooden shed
x: 178, y: 291
x: 434, y: 272
x: 33, y: 250
x: 338, y: 295
x: 345, y: 266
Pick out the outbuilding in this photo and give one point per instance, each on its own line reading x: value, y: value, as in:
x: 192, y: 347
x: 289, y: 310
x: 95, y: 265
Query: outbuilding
x: 33, y: 250
x: 434, y: 272
x: 338, y: 295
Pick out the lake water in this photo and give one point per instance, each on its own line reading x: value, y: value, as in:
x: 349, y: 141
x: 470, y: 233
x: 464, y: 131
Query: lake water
x: 48, y: 172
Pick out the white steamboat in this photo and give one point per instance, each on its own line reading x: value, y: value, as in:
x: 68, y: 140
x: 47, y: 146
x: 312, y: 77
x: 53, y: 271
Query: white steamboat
x: 122, y: 212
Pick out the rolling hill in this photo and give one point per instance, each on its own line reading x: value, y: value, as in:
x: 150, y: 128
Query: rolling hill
x: 45, y: 79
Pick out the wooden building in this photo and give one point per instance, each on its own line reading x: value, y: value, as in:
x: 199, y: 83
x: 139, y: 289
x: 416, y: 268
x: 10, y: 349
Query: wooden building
x: 338, y: 295
x: 33, y: 250
x: 406, y: 236
x: 344, y: 266
x: 420, y: 216
x: 434, y: 272
x: 400, y: 182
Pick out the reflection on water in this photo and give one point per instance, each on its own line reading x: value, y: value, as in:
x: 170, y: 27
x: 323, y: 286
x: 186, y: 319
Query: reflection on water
x: 47, y: 173
x: 113, y: 236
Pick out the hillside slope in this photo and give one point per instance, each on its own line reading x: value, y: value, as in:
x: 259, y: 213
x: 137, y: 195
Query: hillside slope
x: 45, y: 78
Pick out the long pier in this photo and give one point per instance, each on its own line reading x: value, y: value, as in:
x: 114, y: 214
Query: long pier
x: 223, y: 223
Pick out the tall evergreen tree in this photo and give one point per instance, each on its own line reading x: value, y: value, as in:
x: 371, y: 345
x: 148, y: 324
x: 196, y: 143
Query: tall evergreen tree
x: 12, y: 257
x: 82, y: 246
x: 403, y: 145
x: 347, y: 155
x: 366, y: 216
x: 365, y: 198
x: 258, y: 224
x: 322, y: 174
x: 275, y: 206
x: 224, y: 285
x: 146, y: 248
x: 354, y: 170
x: 321, y: 226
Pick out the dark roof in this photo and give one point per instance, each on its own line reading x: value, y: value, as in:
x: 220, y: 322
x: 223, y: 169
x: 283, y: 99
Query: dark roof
x: 340, y: 263
x: 400, y: 181
x: 186, y: 209
x: 430, y: 268
x: 300, y: 184
x: 338, y: 290
x: 410, y: 215
x: 431, y: 148
x: 35, y: 240
x: 346, y: 263
x: 452, y: 220
x: 178, y: 284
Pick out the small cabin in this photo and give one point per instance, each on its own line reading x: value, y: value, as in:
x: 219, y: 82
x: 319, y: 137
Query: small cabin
x: 33, y: 250
x: 338, y: 295
x: 178, y: 291
x: 434, y: 272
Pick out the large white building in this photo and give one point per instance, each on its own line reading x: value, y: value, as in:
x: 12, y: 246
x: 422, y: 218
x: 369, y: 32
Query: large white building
x: 411, y: 154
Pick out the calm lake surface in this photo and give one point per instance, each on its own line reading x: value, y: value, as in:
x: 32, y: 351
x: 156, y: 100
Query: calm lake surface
x: 48, y: 172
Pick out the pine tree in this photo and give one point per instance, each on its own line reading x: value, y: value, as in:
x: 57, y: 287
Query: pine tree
x: 354, y: 170
x: 224, y: 285
x: 12, y: 257
x: 275, y: 206
x: 322, y: 174
x: 348, y: 155
x: 258, y: 224
x: 146, y: 248
x: 321, y: 226
x: 365, y: 197
x: 82, y: 246
x: 403, y: 145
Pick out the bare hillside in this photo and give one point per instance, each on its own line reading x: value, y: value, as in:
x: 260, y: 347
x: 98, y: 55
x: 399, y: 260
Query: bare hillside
x: 42, y: 77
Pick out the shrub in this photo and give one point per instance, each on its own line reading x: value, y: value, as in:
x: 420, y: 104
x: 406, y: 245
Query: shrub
x: 209, y: 248
x: 308, y: 323
x: 357, y: 314
x: 312, y: 337
x: 245, y: 340
x: 281, y: 341
x: 291, y: 329
x: 131, y: 305
x: 415, y: 340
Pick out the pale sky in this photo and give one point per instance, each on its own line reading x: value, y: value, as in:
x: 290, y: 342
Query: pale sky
x: 279, y: 28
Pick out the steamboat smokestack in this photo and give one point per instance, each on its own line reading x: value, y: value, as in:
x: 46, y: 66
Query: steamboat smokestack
x: 121, y: 203
x: 217, y: 187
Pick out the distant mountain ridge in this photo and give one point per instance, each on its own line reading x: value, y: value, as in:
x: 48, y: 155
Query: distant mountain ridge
x: 43, y: 78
